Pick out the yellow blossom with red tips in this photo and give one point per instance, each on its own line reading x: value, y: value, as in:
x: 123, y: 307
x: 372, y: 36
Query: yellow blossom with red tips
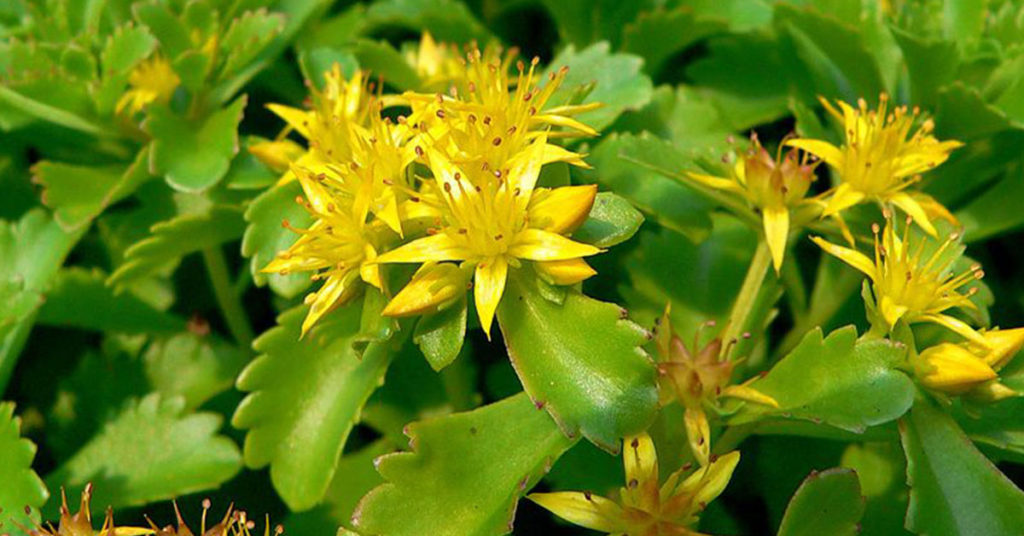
x: 646, y: 506
x: 775, y: 186
x: 880, y: 159
x: 152, y: 80
x: 910, y: 284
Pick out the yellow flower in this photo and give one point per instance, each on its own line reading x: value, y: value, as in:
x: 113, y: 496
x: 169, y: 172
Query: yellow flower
x: 878, y: 161
x: 152, y: 80
x: 645, y: 506
x: 911, y: 285
x: 340, y: 246
x: 773, y: 186
x: 494, y: 220
x: 278, y: 155
x: 969, y: 368
x: 80, y: 524
x: 698, y: 377
x: 438, y: 65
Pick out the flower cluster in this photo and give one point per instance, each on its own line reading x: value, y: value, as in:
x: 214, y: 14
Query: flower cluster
x: 452, y: 184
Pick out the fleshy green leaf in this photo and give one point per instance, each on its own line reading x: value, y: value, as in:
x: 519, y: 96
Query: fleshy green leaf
x: 612, y: 221
x: 247, y: 36
x: 80, y: 298
x: 169, y: 30
x: 931, y: 64
x: 440, y: 335
x: 828, y: 502
x: 581, y: 360
x: 124, y: 49
x: 305, y: 396
x: 77, y: 194
x: 954, y: 489
x: 151, y: 451
x: 193, y: 367
x: 617, y: 80
x: 265, y: 236
x: 659, y: 34
x: 446, y: 20
x: 838, y: 381
x: 582, y: 22
x: 21, y: 487
x: 383, y: 60
x: 193, y: 156
x: 175, y: 238
x: 465, y: 474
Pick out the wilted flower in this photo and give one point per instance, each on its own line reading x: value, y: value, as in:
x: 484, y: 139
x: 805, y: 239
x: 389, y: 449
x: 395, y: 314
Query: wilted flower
x: 80, y: 523
x: 878, y: 161
x: 645, y: 506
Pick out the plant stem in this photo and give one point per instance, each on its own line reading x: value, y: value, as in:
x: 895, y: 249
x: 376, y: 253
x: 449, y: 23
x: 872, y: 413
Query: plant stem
x: 229, y: 303
x: 747, y: 297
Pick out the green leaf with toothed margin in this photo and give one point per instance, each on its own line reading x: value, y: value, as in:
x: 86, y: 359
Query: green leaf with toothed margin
x: 266, y: 236
x: 465, y: 474
x: 305, y: 395
x: 827, y: 502
x: 954, y: 489
x: 581, y: 359
x: 193, y: 156
x: 21, y: 487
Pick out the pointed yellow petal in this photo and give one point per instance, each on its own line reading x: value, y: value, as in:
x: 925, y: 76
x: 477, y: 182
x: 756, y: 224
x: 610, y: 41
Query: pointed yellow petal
x: 698, y: 434
x: 852, y: 257
x: 488, y: 288
x: 1005, y: 344
x: 586, y: 510
x: 718, y: 183
x: 563, y: 121
x: 557, y: 153
x: 561, y: 210
x: 913, y: 209
x: 433, y: 286
x: 369, y: 270
x: 743, y: 392
x: 525, y: 167
x: 277, y: 155
x: 127, y: 531
x: 438, y: 247
x: 824, y: 150
x: 843, y: 198
x: 538, y: 245
x: 567, y: 272
x: 891, y: 311
x: 957, y: 326
x: 717, y: 478
x: 296, y: 118
x: 336, y: 290
x: 776, y: 232
x: 639, y: 458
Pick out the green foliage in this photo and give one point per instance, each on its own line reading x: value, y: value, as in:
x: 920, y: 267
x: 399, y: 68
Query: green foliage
x: 828, y: 502
x: 22, y: 490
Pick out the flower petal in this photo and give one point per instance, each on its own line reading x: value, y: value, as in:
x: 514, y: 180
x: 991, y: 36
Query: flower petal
x: 717, y: 183
x: 824, y: 150
x: 776, y: 232
x: 539, y: 245
x: 295, y: 117
x: 338, y: 289
x: 561, y: 210
x: 431, y: 287
x: 488, y: 288
x: 953, y: 369
x: 957, y: 326
x: 843, y: 198
x: 639, y: 458
x: 717, y: 478
x: 583, y: 509
x: 698, y: 434
x: 438, y: 247
x: 852, y: 257
x: 913, y: 209
x: 743, y: 392
x: 567, y: 272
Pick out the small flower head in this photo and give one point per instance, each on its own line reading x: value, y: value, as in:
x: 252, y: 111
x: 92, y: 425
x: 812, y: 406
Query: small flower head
x: 773, y: 186
x: 152, y: 80
x: 911, y: 283
x: 437, y: 64
x: 646, y: 506
x: 880, y: 157
x: 80, y: 523
x: 969, y: 368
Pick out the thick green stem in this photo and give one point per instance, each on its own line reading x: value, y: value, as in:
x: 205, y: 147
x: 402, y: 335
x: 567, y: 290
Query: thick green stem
x: 745, y: 300
x: 229, y: 303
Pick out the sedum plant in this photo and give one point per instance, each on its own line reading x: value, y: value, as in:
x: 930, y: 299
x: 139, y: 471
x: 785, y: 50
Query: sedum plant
x: 455, y: 267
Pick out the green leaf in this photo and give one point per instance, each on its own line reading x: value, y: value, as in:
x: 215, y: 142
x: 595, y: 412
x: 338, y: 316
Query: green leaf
x: 31, y: 251
x: 247, y: 172
x: 175, y: 238
x: 465, y: 474
x: 838, y: 381
x: 581, y: 360
x: 80, y: 298
x: 151, y: 451
x: 617, y: 82
x: 21, y: 487
x: 307, y: 392
x: 665, y: 201
x: 440, y: 335
x: 193, y: 156
x: 247, y: 36
x: 931, y: 64
x: 192, y: 366
x: 446, y: 20
x: 954, y: 489
x: 77, y: 194
x: 314, y: 62
x: 169, y: 30
x: 828, y: 502
x: 125, y: 48
x: 265, y: 237
x: 612, y: 221
x: 963, y: 114
x: 582, y: 22
x: 383, y: 60
x: 659, y: 34
x: 996, y: 211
